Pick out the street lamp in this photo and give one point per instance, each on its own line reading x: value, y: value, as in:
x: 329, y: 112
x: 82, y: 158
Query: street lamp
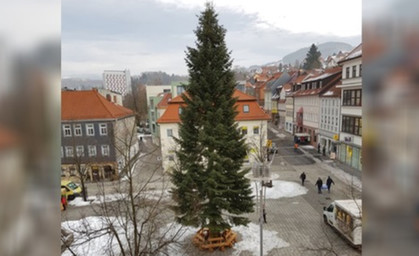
x: 261, y: 173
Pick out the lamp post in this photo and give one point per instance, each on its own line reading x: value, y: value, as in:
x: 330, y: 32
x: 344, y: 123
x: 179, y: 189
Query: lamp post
x: 261, y: 173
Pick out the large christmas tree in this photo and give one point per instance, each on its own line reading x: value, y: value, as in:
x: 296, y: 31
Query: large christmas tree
x: 209, y: 184
x: 312, y: 59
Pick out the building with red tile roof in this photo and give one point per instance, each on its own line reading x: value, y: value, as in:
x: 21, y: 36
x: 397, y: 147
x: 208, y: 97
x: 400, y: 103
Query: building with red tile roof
x: 307, y: 101
x: 94, y: 133
x: 289, y: 99
x: 251, y: 120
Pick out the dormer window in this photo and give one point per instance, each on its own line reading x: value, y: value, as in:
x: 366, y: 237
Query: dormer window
x: 246, y: 108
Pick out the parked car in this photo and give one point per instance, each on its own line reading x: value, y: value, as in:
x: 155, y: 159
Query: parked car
x: 71, y: 189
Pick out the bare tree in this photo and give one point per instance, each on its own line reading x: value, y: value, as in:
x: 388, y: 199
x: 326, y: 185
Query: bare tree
x: 133, y: 209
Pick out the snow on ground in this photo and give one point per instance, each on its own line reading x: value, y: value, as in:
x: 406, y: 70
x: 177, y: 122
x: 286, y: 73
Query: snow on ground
x: 307, y: 146
x: 278, y: 134
x: 282, y: 189
x: 250, y: 240
x: 148, y: 194
x: 98, y: 244
x: 78, y: 201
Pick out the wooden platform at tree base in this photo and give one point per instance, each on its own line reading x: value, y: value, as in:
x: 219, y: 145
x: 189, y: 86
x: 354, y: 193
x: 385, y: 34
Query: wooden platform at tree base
x: 204, y: 242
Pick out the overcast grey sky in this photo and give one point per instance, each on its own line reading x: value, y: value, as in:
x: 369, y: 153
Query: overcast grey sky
x: 152, y: 35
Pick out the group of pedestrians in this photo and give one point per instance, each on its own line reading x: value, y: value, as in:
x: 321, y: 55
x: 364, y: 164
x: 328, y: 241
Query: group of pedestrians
x: 319, y: 182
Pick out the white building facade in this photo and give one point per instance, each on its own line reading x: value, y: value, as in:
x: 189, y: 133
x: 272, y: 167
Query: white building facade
x: 252, y: 122
x: 350, y: 148
x: 117, y: 80
x: 329, y: 121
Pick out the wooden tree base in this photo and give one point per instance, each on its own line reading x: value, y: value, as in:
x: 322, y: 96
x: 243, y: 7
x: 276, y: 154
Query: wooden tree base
x: 204, y: 242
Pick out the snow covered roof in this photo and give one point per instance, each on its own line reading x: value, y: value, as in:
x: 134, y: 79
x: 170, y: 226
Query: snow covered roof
x: 352, y: 206
x: 355, y: 53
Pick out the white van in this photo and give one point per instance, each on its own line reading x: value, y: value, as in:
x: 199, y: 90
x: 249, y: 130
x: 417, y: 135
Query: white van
x: 346, y: 217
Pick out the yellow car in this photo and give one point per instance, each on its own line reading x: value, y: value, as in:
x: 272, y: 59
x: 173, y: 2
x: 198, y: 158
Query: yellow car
x: 71, y: 189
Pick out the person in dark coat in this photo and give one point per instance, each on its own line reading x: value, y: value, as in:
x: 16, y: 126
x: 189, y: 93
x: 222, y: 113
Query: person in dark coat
x: 303, y: 178
x: 318, y: 148
x: 319, y: 184
x: 329, y: 182
x: 324, y: 150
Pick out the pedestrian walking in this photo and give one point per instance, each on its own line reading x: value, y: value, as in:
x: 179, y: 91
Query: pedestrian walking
x: 318, y: 148
x: 295, y: 146
x: 324, y: 150
x: 303, y: 178
x: 329, y: 182
x: 319, y: 185
x: 264, y: 215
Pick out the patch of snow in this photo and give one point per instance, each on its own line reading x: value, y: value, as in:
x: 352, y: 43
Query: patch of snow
x: 328, y: 93
x: 78, y: 201
x: 282, y: 189
x: 355, y: 54
x: 250, y: 240
x: 307, y: 146
x: 98, y: 244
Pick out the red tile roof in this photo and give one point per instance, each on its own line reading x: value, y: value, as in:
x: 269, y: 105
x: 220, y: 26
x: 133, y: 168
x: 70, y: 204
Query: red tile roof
x: 86, y: 105
x: 164, y: 102
x: 171, y: 115
x: 328, y: 73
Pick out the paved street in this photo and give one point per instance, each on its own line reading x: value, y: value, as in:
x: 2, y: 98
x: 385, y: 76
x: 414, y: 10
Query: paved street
x: 298, y: 220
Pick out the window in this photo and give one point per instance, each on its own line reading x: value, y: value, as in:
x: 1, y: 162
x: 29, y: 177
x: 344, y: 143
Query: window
x: 151, y: 103
x: 360, y: 69
x: 103, y: 129
x: 105, y: 150
x: 80, y: 151
x: 352, y: 98
x: 353, y: 71
x: 180, y: 90
x: 77, y: 130
x: 62, y: 152
x: 169, y: 133
x: 90, y: 131
x: 171, y: 158
x: 352, y: 125
x: 246, y: 108
x: 92, y: 150
x: 180, y: 110
x: 69, y: 152
x: 67, y: 130
x: 244, y: 130
x: 255, y: 129
x: 347, y: 73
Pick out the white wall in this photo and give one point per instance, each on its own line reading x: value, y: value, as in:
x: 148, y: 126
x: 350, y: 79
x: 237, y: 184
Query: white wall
x: 154, y: 90
x: 311, y: 106
x: 168, y: 145
x: 329, y: 113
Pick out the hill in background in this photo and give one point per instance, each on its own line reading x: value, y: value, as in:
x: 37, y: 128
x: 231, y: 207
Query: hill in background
x: 326, y: 49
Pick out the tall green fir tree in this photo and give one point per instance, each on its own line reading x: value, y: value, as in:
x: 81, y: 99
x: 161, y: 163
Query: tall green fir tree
x: 210, y: 187
x: 312, y: 59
